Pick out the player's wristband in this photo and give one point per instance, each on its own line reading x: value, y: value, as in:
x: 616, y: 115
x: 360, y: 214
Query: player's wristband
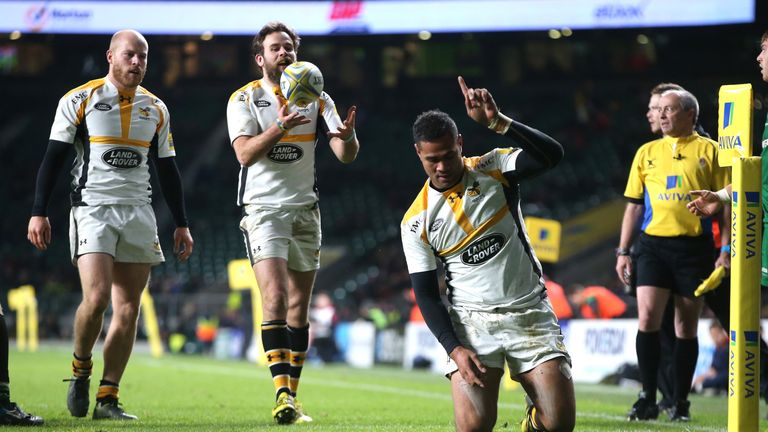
x: 725, y: 249
x: 500, y: 123
x: 351, y: 138
x: 723, y: 196
x: 280, y: 125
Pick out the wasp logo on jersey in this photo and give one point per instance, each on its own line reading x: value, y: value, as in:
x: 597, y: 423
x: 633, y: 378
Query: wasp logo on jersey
x: 101, y: 106
x: 144, y: 113
x: 123, y: 158
x: 474, y: 190
x: 483, y: 249
x: 285, y: 153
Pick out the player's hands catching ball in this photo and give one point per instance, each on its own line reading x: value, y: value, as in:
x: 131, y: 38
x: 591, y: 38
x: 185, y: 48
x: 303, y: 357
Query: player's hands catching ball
x: 347, y: 129
x: 290, y: 119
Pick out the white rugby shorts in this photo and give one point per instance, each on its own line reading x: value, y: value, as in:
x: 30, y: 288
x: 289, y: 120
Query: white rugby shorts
x: 522, y: 338
x: 293, y: 235
x: 127, y: 232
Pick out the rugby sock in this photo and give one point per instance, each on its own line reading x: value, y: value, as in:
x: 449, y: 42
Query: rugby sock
x: 81, y: 367
x: 685, y: 357
x: 299, y: 338
x: 274, y: 337
x: 107, y: 390
x: 648, y: 350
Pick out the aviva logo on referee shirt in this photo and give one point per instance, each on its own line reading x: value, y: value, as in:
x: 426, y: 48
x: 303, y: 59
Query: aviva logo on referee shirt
x: 674, y: 182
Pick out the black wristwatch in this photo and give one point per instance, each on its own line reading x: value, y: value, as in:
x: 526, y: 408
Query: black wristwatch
x: 622, y: 252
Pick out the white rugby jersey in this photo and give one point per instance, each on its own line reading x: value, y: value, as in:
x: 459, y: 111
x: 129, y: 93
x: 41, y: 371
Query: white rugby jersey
x: 285, y: 176
x: 112, y: 133
x: 476, y: 229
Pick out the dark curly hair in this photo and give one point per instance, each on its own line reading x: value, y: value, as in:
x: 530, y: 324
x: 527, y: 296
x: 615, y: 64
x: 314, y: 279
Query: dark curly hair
x: 433, y: 124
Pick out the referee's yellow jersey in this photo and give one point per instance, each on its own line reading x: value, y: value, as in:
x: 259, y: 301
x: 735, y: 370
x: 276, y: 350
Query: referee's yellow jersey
x: 662, y: 175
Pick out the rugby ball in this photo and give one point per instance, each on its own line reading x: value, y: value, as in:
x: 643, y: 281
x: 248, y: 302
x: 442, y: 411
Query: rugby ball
x: 301, y: 83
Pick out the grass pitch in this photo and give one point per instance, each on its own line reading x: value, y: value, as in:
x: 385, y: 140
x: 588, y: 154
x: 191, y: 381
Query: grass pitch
x: 199, y: 394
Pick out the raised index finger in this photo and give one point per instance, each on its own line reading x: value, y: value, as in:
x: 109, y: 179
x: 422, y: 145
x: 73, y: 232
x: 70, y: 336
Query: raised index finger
x: 463, y: 86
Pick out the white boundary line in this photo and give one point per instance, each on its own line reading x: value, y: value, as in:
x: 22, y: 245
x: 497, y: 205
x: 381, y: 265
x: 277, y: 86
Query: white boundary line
x: 375, y: 388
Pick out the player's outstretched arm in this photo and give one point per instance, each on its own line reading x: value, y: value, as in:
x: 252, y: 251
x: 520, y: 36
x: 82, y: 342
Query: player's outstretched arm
x: 344, y: 141
x: 708, y: 203
x: 540, y: 151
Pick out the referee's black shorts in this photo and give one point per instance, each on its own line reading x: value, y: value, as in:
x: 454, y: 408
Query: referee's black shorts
x: 679, y: 264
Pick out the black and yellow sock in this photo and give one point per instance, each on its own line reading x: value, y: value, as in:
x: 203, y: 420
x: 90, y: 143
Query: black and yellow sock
x: 274, y: 337
x: 81, y: 367
x: 108, y: 390
x: 299, y: 340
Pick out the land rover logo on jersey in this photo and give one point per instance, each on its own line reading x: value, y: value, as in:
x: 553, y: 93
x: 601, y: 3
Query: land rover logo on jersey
x: 436, y: 225
x: 483, y: 249
x: 122, y: 158
x: 101, y: 106
x: 261, y: 103
x: 285, y: 153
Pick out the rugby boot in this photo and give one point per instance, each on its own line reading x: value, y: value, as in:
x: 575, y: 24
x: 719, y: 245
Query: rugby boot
x: 12, y: 415
x: 680, y: 411
x: 284, y: 411
x: 77, y: 396
x: 643, y: 409
x: 109, y: 409
x: 301, y: 416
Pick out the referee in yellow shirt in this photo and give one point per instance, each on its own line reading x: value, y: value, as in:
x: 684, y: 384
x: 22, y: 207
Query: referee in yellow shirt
x: 674, y: 250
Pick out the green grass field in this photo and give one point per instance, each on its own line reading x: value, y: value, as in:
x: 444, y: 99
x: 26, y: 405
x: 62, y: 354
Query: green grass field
x: 201, y: 394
